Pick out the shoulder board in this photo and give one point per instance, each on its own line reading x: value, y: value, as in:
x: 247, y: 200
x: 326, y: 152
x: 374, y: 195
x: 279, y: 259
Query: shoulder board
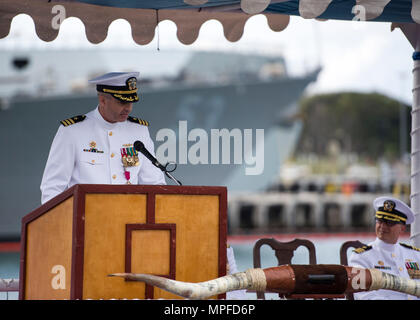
x: 70, y: 121
x: 409, y: 247
x: 139, y: 121
x: 362, y: 249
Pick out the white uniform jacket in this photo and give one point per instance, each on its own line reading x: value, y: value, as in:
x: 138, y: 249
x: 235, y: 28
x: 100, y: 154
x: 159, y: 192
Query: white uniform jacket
x: 396, y: 259
x: 89, y: 152
x: 232, y: 269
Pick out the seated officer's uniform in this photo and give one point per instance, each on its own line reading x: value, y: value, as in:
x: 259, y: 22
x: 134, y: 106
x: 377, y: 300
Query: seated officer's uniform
x: 89, y: 150
x: 398, y: 259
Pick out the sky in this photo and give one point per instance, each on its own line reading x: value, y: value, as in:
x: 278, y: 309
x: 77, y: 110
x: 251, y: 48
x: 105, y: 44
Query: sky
x: 354, y: 56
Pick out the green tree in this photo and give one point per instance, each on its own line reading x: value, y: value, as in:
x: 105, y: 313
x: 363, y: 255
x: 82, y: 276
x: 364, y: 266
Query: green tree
x: 365, y: 124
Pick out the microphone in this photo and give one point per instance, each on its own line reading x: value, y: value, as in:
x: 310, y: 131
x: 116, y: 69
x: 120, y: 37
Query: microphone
x: 139, y: 146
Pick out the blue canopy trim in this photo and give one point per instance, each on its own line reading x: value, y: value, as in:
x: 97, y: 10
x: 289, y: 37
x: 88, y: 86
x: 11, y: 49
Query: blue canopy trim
x: 156, y: 4
x: 395, y: 10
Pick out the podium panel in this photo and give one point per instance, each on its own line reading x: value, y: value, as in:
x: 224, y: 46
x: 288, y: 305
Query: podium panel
x: 71, y: 243
x: 43, y: 254
x: 197, y: 252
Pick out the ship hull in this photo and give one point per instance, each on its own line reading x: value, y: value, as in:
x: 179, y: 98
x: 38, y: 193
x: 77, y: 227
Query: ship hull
x: 28, y: 126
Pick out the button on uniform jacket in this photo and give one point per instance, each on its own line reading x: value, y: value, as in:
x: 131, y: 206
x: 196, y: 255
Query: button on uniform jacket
x: 89, y: 152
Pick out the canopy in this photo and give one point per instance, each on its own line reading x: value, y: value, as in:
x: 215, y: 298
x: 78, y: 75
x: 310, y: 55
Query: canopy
x: 189, y: 15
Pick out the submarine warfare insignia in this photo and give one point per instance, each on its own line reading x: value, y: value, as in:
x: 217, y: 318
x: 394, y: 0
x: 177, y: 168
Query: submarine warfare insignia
x: 129, y: 157
x: 92, y: 146
x: 381, y: 265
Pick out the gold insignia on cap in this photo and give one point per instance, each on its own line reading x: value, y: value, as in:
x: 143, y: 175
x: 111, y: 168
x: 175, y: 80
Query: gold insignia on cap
x: 132, y: 83
x: 389, y: 205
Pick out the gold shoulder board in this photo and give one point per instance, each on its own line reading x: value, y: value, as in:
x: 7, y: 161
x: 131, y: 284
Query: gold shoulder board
x: 409, y: 247
x: 73, y: 120
x: 139, y: 121
x: 362, y: 249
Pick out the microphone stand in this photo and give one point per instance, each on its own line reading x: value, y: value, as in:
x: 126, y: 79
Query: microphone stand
x: 167, y: 172
x: 172, y: 177
x: 139, y: 146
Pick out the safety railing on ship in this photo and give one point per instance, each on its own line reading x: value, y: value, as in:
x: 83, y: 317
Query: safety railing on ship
x: 9, y: 289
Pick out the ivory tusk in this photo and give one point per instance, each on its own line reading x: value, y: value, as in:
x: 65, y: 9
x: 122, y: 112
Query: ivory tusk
x: 252, y: 279
x: 286, y: 279
x: 382, y: 280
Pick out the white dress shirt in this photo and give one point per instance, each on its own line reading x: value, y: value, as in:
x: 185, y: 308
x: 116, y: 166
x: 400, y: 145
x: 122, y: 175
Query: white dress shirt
x: 390, y: 258
x: 237, y: 294
x: 70, y: 161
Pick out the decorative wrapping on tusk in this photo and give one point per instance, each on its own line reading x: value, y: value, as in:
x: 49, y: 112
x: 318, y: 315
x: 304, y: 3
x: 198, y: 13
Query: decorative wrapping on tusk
x: 257, y: 279
x: 382, y: 280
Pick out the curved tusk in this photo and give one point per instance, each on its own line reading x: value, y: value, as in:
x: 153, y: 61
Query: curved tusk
x: 382, y: 280
x: 285, y: 279
x: 252, y: 279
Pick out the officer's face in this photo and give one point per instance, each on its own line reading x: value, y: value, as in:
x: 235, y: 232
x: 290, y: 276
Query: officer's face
x: 113, y: 110
x: 387, y: 232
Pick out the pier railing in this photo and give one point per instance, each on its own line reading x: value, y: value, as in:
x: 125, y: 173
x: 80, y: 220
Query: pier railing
x: 9, y: 289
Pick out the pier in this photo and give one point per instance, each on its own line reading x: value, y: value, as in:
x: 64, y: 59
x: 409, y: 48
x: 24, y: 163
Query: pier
x: 273, y: 212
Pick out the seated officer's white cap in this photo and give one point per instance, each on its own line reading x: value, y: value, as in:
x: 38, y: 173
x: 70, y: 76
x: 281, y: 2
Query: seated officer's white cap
x: 121, y: 85
x: 391, y: 209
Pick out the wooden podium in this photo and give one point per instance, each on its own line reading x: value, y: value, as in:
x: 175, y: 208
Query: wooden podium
x: 71, y: 243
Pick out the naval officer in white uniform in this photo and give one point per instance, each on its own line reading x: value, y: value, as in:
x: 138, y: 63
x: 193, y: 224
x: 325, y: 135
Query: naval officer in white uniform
x: 97, y: 148
x: 385, y: 253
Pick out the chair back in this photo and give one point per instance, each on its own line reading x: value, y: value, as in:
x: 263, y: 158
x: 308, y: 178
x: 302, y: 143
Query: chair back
x: 343, y: 257
x: 284, y: 252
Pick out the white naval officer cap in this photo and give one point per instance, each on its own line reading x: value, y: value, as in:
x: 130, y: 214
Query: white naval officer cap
x: 121, y: 85
x: 392, y: 209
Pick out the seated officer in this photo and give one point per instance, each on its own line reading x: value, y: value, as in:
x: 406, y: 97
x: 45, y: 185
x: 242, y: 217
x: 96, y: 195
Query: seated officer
x: 97, y: 148
x: 385, y: 254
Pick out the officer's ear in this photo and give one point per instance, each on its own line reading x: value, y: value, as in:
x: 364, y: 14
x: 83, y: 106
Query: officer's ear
x: 403, y: 227
x: 102, y: 98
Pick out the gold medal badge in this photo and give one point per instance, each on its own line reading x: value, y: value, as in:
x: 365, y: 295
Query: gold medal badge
x: 129, y: 157
x: 413, y: 269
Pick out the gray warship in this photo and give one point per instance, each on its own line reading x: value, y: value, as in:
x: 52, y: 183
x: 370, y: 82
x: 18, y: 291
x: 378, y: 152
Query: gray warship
x: 202, y: 91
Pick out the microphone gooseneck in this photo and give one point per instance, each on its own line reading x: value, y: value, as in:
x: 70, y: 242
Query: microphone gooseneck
x: 139, y: 146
